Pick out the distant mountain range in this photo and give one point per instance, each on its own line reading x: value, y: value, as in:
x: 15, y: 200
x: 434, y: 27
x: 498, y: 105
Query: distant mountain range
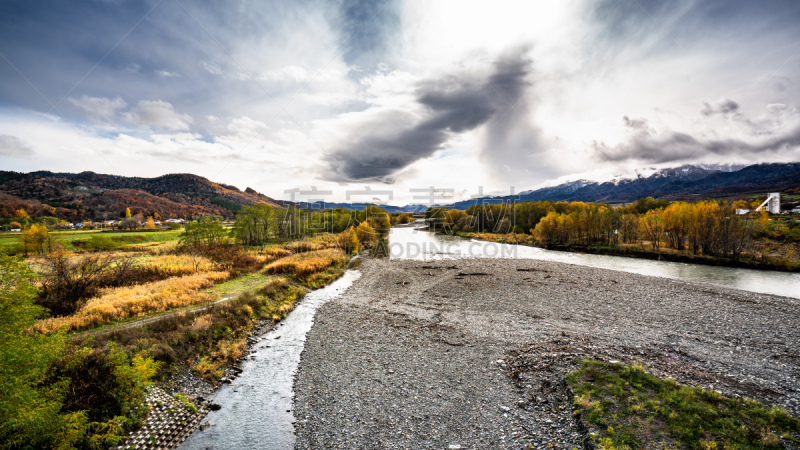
x: 688, y: 182
x: 88, y: 195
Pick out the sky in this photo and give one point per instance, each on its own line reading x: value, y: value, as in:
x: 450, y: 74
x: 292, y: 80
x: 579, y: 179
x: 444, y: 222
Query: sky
x: 384, y: 100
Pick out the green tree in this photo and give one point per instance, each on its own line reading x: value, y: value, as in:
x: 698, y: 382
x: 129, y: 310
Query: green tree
x: 254, y: 224
x: 29, y: 408
x: 206, y: 232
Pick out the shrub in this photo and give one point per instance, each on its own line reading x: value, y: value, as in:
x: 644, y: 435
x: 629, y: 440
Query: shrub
x: 106, y: 392
x: 99, y: 243
x: 68, y: 282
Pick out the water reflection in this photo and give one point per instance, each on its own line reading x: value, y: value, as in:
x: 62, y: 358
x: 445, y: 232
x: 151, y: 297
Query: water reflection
x: 418, y: 244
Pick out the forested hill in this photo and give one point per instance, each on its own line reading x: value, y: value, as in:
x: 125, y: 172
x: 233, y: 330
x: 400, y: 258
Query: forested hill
x: 88, y: 195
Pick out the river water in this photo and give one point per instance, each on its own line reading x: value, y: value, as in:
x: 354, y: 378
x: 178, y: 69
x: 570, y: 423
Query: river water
x: 257, y: 407
x: 411, y: 243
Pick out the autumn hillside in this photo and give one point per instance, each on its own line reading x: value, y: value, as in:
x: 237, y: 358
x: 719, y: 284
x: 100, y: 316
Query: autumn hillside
x: 92, y: 196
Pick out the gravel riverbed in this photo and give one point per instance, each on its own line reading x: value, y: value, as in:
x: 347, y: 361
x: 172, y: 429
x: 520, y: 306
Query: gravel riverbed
x: 420, y: 354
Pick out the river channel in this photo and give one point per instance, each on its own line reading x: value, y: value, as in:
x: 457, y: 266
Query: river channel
x: 257, y: 406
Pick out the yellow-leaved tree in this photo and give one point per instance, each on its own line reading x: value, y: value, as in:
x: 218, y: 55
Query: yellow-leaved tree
x: 35, y: 239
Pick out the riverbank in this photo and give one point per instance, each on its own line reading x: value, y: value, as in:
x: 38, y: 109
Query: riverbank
x: 250, y: 327
x: 640, y: 251
x: 419, y: 354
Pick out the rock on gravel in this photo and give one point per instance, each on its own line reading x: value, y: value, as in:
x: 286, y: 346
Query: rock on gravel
x: 428, y: 354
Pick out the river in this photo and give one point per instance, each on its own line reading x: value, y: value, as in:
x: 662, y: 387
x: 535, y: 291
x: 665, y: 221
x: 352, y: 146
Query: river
x: 411, y: 243
x: 257, y: 407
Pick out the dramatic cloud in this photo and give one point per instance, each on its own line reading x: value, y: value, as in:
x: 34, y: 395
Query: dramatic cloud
x: 409, y: 92
x: 778, y: 131
x: 450, y: 105
x: 159, y: 114
x: 721, y: 106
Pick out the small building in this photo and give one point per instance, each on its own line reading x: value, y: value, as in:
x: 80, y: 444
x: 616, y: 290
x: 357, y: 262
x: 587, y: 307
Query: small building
x: 773, y: 203
x: 742, y: 211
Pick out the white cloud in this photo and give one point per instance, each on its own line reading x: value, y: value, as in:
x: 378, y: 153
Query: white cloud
x: 159, y: 114
x: 212, y: 68
x: 99, y: 109
x: 167, y: 74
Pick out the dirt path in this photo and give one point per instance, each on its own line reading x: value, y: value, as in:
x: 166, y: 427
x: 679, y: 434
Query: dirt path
x: 416, y: 354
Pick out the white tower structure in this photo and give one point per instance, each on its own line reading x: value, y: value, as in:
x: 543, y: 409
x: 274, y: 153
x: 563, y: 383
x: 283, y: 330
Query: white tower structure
x: 773, y: 203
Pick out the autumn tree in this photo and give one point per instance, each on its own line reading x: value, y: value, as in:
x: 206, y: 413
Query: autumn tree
x: 35, y: 239
x: 366, y: 234
x: 21, y: 214
x: 206, y: 232
x: 127, y: 213
x: 150, y: 224
x: 651, y: 226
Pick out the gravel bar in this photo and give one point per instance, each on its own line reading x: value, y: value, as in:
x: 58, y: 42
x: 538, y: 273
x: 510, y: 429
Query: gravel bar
x: 419, y: 354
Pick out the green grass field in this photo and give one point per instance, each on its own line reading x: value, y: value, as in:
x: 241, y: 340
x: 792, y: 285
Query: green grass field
x: 10, y: 241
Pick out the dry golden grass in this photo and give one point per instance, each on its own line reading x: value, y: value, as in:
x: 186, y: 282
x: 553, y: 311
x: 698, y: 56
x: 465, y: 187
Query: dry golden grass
x: 121, y: 303
x: 277, y: 252
x: 305, y: 264
x: 306, y: 245
x: 226, y: 352
x: 179, y: 264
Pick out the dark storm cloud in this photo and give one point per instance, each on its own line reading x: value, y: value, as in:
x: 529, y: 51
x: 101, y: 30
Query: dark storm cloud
x: 648, y: 146
x: 367, y: 29
x: 454, y: 104
x: 721, y: 106
x: 136, y: 50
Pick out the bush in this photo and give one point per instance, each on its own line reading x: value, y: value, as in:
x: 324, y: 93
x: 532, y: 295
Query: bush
x: 106, y: 393
x: 99, y: 243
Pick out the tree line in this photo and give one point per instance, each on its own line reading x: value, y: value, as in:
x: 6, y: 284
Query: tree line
x: 710, y: 227
x: 262, y: 223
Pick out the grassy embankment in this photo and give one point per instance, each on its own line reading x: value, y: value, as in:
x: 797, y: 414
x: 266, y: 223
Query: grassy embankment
x: 263, y: 283
x: 626, y: 407
x: 644, y: 250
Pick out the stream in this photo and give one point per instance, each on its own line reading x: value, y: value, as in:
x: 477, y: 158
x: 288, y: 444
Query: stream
x: 257, y: 406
